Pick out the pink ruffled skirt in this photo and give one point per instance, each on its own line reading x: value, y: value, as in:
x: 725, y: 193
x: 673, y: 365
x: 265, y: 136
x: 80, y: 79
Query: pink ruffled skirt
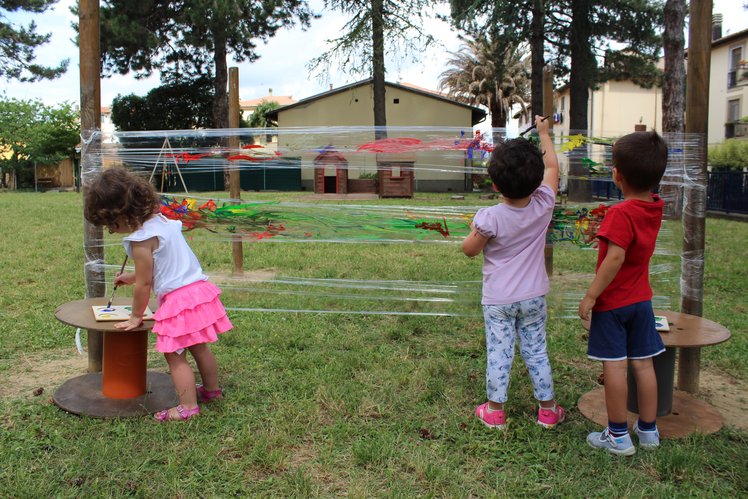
x: 188, y: 316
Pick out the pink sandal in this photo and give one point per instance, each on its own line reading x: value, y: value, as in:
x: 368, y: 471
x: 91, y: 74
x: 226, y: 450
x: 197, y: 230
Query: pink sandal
x: 206, y: 396
x: 184, y: 414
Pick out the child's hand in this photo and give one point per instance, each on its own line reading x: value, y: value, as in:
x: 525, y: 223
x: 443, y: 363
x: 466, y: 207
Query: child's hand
x: 124, y: 278
x: 542, y: 125
x: 585, y: 307
x: 129, y: 324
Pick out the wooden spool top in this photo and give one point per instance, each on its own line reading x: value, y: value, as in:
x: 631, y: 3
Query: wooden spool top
x: 79, y: 314
x: 688, y: 331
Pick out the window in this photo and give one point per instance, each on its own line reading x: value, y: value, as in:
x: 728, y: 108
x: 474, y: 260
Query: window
x: 733, y: 110
x: 736, y: 55
x: 734, y: 69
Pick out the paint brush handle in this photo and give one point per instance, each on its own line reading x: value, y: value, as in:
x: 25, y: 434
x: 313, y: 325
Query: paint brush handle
x: 533, y: 126
x: 122, y: 269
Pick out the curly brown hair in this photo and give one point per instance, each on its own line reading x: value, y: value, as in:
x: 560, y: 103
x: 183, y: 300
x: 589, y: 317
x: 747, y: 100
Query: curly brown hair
x: 119, y: 194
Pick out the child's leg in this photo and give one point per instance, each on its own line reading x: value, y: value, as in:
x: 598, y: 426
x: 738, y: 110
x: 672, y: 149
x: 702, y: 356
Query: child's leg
x: 500, y: 333
x: 646, y: 388
x: 616, y: 390
x: 207, y: 365
x: 532, y: 346
x: 184, y: 380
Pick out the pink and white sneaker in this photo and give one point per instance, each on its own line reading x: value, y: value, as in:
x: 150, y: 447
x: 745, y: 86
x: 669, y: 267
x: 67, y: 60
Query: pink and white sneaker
x: 550, y: 418
x: 494, y: 419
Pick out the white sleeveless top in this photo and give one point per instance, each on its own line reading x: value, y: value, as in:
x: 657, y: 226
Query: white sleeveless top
x: 174, y: 263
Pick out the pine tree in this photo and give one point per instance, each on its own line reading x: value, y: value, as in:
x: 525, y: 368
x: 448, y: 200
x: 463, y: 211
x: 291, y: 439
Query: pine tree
x: 17, y: 44
x: 185, y: 40
x: 375, y: 27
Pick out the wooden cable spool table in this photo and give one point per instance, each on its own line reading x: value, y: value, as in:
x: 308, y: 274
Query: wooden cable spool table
x: 680, y: 413
x: 124, y: 387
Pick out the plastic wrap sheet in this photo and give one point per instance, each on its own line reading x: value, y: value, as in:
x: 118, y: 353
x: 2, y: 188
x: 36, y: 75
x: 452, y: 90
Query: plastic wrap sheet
x: 445, y: 152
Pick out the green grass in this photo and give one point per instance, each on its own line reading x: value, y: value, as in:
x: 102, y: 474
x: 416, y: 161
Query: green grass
x: 339, y: 404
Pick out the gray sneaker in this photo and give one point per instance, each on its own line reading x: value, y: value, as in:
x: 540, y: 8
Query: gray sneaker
x: 648, y: 440
x: 620, y: 446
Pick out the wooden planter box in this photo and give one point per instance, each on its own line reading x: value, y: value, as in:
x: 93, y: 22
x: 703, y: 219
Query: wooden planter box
x: 396, y: 179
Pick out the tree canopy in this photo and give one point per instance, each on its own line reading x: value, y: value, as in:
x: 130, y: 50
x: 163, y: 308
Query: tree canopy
x: 258, y: 118
x: 17, y: 44
x: 31, y: 132
x: 588, y: 41
x: 174, y: 106
x: 487, y: 73
x: 191, y: 39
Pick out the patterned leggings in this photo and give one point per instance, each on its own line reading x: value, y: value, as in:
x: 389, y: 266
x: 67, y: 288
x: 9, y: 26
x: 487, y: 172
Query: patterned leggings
x: 525, y: 319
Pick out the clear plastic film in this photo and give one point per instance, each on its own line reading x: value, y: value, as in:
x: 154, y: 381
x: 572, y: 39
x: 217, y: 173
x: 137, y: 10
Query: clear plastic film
x: 173, y: 160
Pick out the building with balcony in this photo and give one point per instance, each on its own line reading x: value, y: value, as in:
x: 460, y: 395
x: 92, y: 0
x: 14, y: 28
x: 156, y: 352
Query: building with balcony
x: 728, y: 85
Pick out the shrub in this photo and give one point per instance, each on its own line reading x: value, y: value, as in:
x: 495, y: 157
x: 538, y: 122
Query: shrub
x: 732, y: 153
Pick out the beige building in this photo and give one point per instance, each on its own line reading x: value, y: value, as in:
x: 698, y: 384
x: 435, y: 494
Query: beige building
x: 614, y: 109
x: 617, y: 106
x: 350, y: 109
x: 728, y: 86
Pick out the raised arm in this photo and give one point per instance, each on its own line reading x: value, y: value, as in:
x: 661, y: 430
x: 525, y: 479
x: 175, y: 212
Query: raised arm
x: 550, y: 177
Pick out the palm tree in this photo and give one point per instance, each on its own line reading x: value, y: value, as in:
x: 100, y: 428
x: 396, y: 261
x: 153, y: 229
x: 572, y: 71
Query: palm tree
x: 486, y: 71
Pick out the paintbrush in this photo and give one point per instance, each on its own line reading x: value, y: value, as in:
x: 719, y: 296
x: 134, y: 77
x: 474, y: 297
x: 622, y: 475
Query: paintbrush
x: 533, y: 126
x: 109, y: 305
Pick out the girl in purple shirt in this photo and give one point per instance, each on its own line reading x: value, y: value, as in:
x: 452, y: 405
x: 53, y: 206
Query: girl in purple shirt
x: 511, y: 236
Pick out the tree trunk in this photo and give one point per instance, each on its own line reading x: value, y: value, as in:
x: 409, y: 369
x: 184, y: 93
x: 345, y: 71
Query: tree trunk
x: 537, y: 47
x: 582, y: 68
x: 673, y: 93
x: 377, y: 38
x: 673, y: 97
x: 220, y: 101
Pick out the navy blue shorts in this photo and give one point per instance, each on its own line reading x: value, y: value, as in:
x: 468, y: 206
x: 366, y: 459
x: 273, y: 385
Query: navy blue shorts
x: 624, y: 333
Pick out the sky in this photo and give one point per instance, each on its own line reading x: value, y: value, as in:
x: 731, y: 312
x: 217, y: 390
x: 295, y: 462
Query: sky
x: 282, y: 66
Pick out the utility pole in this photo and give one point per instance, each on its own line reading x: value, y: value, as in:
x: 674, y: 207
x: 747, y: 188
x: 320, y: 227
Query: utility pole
x: 237, y: 251
x: 90, y: 93
x: 694, y: 216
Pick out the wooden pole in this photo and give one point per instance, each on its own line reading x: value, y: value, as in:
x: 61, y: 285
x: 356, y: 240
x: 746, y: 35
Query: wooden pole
x: 548, y: 111
x: 90, y: 93
x: 694, y: 220
x: 237, y: 252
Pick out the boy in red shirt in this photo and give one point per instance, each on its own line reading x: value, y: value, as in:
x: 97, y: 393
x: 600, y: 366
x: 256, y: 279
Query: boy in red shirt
x: 622, y: 327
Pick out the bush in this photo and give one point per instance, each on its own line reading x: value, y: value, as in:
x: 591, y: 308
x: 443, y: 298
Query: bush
x: 732, y: 153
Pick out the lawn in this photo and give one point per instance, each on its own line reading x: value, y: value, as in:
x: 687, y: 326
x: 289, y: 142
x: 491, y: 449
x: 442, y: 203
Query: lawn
x: 336, y: 404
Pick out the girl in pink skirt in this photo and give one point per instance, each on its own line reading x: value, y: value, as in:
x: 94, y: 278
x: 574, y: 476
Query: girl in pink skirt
x: 190, y: 314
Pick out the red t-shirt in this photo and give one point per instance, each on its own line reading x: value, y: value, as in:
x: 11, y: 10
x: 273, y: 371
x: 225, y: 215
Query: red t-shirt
x: 633, y: 225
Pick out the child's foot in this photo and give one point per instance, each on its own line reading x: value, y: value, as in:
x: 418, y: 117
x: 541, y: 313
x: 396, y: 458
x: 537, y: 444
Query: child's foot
x: 206, y: 396
x: 620, y: 446
x: 648, y: 439
x: 549, y: 418
x: 178, y: 413
x: 493, y: 419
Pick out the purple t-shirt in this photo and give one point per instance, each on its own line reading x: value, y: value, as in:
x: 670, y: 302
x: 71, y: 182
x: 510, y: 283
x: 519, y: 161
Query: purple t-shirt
x: 513, y: 257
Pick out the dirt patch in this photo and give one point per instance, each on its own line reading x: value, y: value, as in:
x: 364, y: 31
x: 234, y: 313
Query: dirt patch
x: 728, y: 395
x: 260, y: 275
x: 39, y: 375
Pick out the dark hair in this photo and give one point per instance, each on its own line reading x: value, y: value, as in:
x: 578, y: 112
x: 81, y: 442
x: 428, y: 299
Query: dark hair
x: 516, y: 168
x: 640, y: 158
x: 118, y: 193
